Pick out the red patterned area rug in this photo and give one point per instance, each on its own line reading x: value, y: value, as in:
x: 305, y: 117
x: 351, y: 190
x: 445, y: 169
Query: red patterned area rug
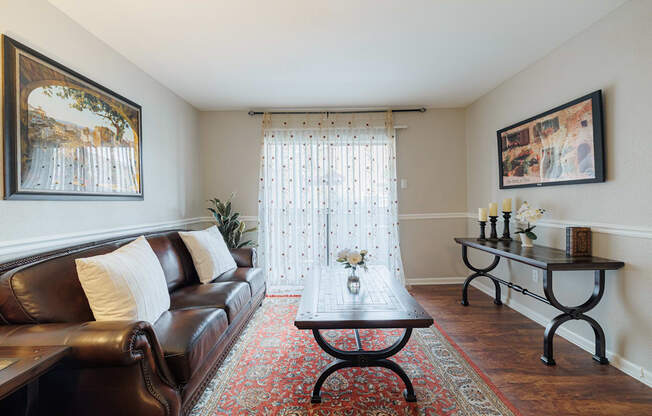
x: 271, y: 370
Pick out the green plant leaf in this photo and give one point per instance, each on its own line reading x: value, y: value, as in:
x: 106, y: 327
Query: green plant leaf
x: 531, y: 235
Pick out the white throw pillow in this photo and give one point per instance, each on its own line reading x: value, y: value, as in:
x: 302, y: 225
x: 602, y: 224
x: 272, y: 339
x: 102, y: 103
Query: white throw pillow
x: 126, y: 284
x: 209, y: 253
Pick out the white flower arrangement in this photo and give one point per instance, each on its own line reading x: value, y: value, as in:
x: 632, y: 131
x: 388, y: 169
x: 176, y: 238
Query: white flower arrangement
x: 352, y: 259
x: 528, y: 215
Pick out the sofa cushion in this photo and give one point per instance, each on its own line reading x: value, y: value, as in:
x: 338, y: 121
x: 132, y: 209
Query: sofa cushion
x: 230, y: 296
x: 209, y: 253
x: 187, y: 336
x: 127, y: 284
x: 253, y: 276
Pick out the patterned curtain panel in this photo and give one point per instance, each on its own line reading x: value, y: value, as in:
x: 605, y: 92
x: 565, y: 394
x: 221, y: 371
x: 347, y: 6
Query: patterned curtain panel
x: 327, y: 182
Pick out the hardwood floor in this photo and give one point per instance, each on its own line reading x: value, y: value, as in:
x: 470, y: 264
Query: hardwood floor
x: 506, y: 346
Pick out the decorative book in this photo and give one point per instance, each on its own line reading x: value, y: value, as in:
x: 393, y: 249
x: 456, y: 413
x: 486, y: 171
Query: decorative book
x: 6, y: 362
x: 578, y: 241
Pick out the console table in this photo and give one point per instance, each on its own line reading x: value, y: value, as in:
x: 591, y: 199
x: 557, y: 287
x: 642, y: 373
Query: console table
x: 549, y: 260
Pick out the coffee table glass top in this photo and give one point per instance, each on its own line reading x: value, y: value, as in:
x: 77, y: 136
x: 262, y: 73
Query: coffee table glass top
x: 381, y: 302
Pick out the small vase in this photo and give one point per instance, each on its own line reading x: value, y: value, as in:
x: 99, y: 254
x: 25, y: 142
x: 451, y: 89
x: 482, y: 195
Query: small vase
x: 353, y: 283
x: 526, y: 241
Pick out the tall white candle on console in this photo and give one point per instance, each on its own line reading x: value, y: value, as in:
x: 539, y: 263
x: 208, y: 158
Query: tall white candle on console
x: 493, y: 209
x: 507, y: 205
x: 482, y: 214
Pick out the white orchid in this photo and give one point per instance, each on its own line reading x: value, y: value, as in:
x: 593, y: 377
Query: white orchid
x: 529, y: 216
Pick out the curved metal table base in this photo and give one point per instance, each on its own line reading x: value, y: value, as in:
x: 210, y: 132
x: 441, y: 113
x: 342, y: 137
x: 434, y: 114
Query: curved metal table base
x: 568, y: 312
x: 478, y: 273
x: 362, y: 358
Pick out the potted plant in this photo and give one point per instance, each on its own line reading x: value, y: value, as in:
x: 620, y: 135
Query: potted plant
x: 528, y: 216
x: 229, y: 224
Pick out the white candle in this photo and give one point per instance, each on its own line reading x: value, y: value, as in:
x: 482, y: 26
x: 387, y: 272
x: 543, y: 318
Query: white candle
x: 493, y: 209
x: 507, y: 205
x: 482, y: 214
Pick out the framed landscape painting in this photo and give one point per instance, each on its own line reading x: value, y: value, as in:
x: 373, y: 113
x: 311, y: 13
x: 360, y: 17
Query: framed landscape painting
x: 562, y: 146
x: 65, y: 136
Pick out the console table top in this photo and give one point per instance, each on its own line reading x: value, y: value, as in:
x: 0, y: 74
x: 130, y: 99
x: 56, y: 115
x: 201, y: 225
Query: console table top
x: 541, y: 257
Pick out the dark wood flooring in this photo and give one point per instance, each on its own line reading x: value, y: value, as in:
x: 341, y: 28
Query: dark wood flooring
x: 506, y: 346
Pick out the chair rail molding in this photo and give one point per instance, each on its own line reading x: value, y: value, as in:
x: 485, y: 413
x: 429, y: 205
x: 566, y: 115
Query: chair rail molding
x: 403, y: 217
x: 433, y: 216
x: 596, y: 227
x: 13, y: 249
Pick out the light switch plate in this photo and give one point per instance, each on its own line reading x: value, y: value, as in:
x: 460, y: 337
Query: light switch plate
x: 403, y: 183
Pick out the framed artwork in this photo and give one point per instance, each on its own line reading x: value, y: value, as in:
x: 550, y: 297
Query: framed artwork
x: 562, y: 146
x: 65, y: 136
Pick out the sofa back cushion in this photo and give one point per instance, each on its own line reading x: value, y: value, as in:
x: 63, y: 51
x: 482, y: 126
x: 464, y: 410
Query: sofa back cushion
x: 45, y: 288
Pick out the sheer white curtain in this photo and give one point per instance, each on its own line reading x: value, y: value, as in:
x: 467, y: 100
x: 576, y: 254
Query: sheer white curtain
x: 327, y: 182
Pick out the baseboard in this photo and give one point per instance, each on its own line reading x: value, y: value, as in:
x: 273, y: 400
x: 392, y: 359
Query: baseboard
x: 13, y: 249
x: 418, y: 281
x: 636, y: 371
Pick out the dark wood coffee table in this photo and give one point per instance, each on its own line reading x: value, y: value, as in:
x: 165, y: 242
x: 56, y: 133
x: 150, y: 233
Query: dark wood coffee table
x: 382, y: 302
x: 22, y: 366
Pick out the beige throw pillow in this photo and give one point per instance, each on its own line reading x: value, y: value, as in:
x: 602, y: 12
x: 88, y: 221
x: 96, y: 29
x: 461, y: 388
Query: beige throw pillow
x: 209, y: 253
x: 126, y: 284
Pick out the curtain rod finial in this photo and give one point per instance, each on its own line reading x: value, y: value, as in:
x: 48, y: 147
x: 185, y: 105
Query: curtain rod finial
x: 422, y: 109
x: 251, y: 113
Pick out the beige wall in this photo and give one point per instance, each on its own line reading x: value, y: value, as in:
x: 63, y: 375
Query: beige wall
x: 172, y: 182
x: 430, y: 154
x: 614, y: 55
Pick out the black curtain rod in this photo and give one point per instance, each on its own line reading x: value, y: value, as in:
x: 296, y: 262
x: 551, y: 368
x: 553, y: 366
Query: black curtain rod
x: 407, y: 110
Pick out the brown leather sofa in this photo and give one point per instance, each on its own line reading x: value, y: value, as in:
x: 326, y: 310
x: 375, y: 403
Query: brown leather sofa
x: 127, y: 368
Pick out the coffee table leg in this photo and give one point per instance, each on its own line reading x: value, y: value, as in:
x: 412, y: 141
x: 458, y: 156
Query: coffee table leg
x: 332, y: 367
x: 31, y: 407
x: 361, y: 358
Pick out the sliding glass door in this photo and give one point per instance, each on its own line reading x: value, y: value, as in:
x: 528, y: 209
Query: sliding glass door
x: 323, y: 190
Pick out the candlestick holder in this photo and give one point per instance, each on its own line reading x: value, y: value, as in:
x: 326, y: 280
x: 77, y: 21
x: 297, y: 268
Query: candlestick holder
x: 506, y: 236
x: 493, y: 235
x: 482, y: 236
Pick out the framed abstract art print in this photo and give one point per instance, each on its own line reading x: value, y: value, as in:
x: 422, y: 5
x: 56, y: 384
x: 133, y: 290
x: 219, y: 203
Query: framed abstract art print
x: 562, y: 146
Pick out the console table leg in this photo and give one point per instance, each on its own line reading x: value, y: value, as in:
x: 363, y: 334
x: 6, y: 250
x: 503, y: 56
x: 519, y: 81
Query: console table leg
x: 465, y: 289
x: 479, y: 272
x: 600, y: 343
x: 570, y: 313
x: 551, y: 328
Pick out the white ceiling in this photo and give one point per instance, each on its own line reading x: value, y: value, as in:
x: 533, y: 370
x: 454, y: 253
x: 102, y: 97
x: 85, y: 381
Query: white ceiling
x: 333, y: 53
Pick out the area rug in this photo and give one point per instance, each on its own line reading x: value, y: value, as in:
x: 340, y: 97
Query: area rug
x: 271, y: 370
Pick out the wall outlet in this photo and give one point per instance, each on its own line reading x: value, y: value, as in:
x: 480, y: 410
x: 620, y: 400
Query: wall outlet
x: 535, y: 276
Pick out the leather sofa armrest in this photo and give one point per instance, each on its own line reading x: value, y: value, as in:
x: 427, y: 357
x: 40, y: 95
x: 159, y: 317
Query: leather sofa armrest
x: 93, y: 343
x: 244, y: 257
